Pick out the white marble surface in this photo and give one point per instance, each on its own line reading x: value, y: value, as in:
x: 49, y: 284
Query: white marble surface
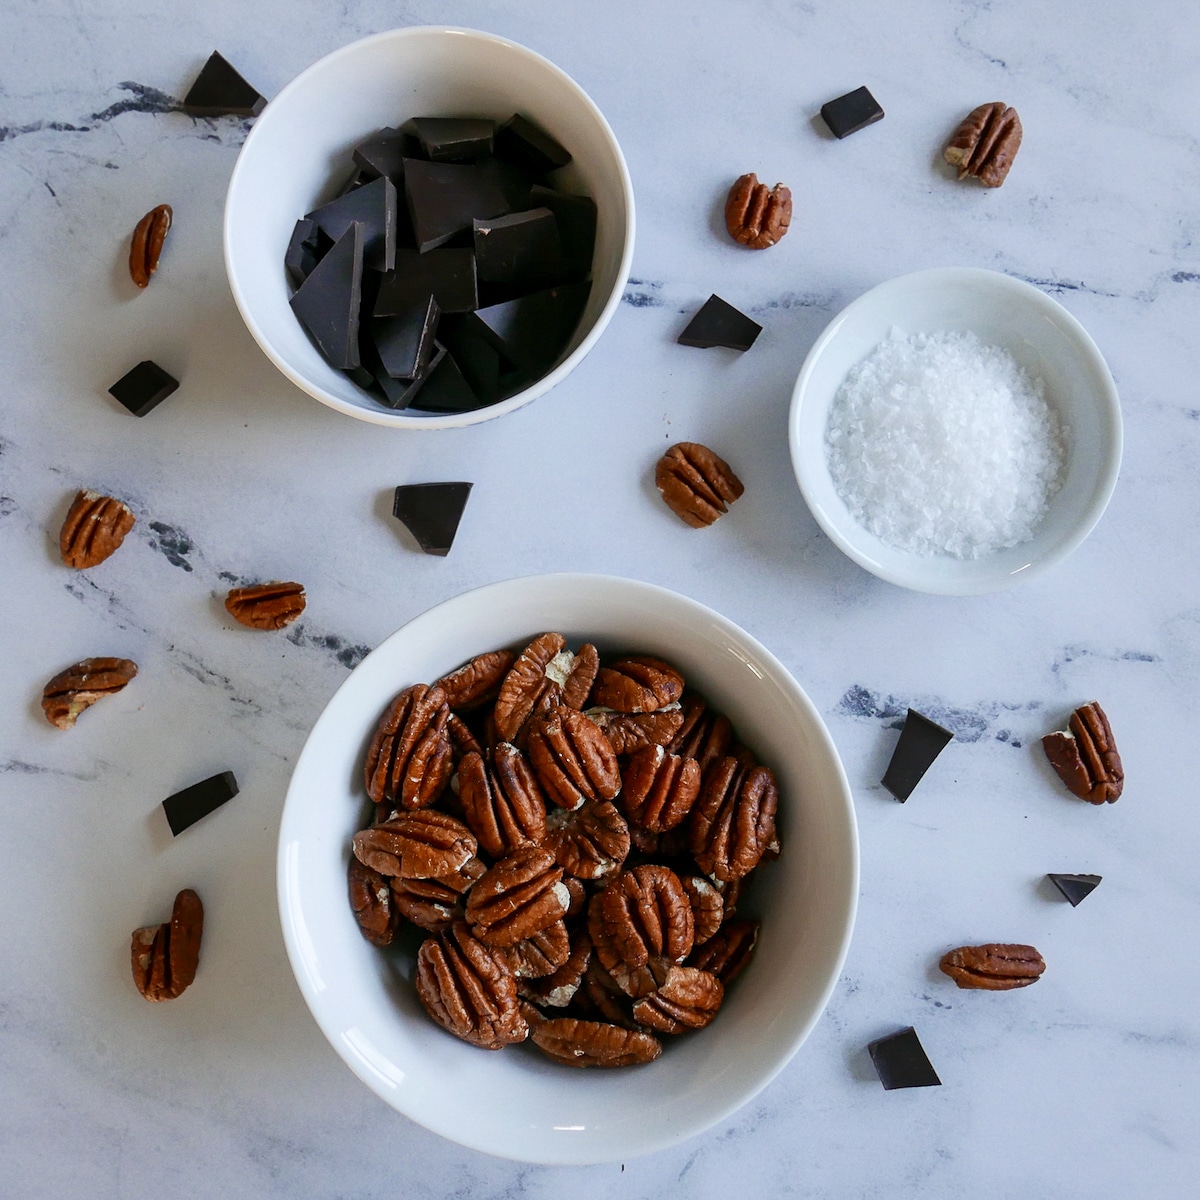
x: 1087, y: 1084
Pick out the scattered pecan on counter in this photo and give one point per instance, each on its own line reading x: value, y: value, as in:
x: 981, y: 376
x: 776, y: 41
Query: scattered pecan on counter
x: 1085, y: 756
x: 94, y: 529
x: 147, y: 244
x: 165, y: 957
x: 755, y: 215
x: 986, y: 143
x: 266, y: 605
x: 81, y: 685
x: 697, y: 485
x: 995, y: 967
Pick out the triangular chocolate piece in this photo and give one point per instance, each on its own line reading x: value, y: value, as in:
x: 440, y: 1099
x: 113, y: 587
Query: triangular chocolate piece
x: 431, y: 513
x: 374, y: 205
x: 446, y: 389
x: 718, y: 323
x: 454, y: 139
x: 475, y: 355
x: 528, y: 145
x: 327, y: 302
x: 921, y: 741
x: 522, y: 249
x: 445, y: 198
x: 901, y: 1062
x: 220, y: 90
x: 534, y: 330
x: 1075, y: 887
x: 405, y: 341
x: 302, y: 254
x: 383, y: 153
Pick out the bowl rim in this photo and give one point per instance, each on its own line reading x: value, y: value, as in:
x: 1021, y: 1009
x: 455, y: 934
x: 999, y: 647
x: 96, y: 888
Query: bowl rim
x: 1108, y: 403
x: 399, y: 420
x: 568, y: 1151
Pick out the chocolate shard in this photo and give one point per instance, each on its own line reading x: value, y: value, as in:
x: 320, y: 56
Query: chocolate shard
x: 447, y: 275
x: 532, y: 331
x: 219, y: 90
x: 400, y: 393
x: 446, y: 389
x: 528, y: 145
x: 718, y: 323
x: 445, y: 198
x: 185, y: 808
x: 454, y: 139
x: 901, y: 1062
x: 304, y: 250
x: 431, y: 513
x: 921, y: 741
x: 851, y: 112
x: 327, y: 302
x: 405, y: 341
x: 576, y: 217
x: 475, y: 356
x: 383, y: 154
x: 143, y: 388
x: 521, y: 248
x: 513, y: 181
x: 1075, y: 887
x: 373, y: 205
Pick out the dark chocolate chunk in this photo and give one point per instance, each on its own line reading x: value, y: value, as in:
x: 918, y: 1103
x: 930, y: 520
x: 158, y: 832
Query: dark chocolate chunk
x: 718, y: 323
x: 185, y: 808
x: 446, y: 389
x: 521, y: 248
x: 143, y: 388
x: 445, y: 198
x: 1075, y: 887
x: 851, y: 112
x: 447, y: 275
x: 405, y: 341
x: 528, y: 145
x: 374, y: 206
x: 302, y: 252
x: 576, y: 217
x: 454, y: 139
x: 512, y: 180
x: 355, y: 180
x: 328, y: 301
x: 220, y: 90
x: 383, y: 153
x: 921, y: 741
x: 901, y: 1061
x: 532, y: 331
x: 431, y: 513
x: 475, y: 356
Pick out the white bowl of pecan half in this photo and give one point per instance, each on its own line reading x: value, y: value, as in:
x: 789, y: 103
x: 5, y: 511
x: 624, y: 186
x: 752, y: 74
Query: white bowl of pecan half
x: 524, y: 801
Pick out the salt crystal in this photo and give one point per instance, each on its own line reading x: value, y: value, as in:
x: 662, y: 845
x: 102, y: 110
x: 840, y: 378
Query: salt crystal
x: 940, y: 443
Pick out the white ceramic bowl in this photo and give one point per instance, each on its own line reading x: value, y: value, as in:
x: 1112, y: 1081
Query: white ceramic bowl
x: 515, y: 1103
x: 301, y: 145
x: 1044, y: 338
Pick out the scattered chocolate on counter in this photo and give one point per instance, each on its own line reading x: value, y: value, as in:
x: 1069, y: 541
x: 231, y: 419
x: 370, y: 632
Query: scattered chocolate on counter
x: 165, y: 957
x: 718, y: 323
x: 143, y: 388
x: 696, y: 485
x: 220, y: 91
x: 431, y: 513
x: 985, y: 144
x: 185, y: 808
x: 851, y: 112
x: 993, y: 967
x: 94, y: 529
x: 266, y: 605
x: 901, y: 1062
x: 757, y: 216
x: 921, y: 741
x: 327, y: 303
x: 1085, y: 756
x: 81, y: 685
x: 1075, y: 887
x: 146, y: 246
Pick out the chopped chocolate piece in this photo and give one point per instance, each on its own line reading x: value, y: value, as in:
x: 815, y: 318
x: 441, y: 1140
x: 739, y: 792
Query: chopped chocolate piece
x: 521, y: 141
x: 405, y: 340
x: 400, y: 393
x: 302, y: 253
x: 514, y: 181
x: 901, y: 1061
x: 718, y: 323
x: 220, y: 90
x: 576, y: 217
x: 921, y: 741
x: 444, y: 198
x: 1075, y: 887
x: 522, y: 249
x: 353, y: 182
x: 851, y: 112
x: 185, y: 808
x: 454, y: 139
x: 327, y: 302
x: 449, y: 275
x: 446, y: 389
x: 143, y: 388
x: 374, y: 206
x: 431, y: 513
x: 362, y: 376
x: 383, y: 153
x: 475, y: 355
x: 533, y: 331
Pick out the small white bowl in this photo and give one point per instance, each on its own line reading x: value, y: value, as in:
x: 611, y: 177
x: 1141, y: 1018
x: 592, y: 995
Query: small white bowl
x: 302, y: 142
x: 514, y: 1102
x: 1044, y: 338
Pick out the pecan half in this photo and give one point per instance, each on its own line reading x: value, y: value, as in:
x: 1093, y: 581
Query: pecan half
x: 579, y: 896
x: 416, y: 845
x: 704, y: 735
x: 477, y: 682
x: 995, y: 966
x: 469, y: 990
x: 627, y: 732
x: 519, y: 897
x: 371, y: 899
x: 687, y: 999
x: 544, y: 675
x: 540, y: 955
x: 409, y: 760
x: 573, y: 759
x: 755, y: 215
x: 637, y: 684
x: 733, y: 822
x: 435, y: 904
x: 165, y: 957
x: 81, y: 685
x: 266, y: 605
x: 708, y: 907
x: 462, y: 736
x: 146, y: 246
x: 986, y: 143
x: 659, y: 789
x: 697, y: 485
x: 727, y: 953
x: 590, y: 842
x: 577, y: 1043
x: 504, y: 805
x: 600, y: 996
x: 643, y: 913
x: 558, y: 989
x: 95, y: 527
x: 1086, y: 757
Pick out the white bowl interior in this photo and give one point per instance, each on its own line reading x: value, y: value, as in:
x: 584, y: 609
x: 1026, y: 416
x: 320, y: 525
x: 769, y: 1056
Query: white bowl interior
x: 515, y: 1103
x: 1044, y: 338
x: 299, y: 152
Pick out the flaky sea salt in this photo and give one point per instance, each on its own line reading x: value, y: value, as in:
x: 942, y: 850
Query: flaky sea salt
x: 940, y: 443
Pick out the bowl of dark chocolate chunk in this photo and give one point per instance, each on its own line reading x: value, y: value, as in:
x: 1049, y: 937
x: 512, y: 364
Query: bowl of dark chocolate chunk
x: 430, y: 227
